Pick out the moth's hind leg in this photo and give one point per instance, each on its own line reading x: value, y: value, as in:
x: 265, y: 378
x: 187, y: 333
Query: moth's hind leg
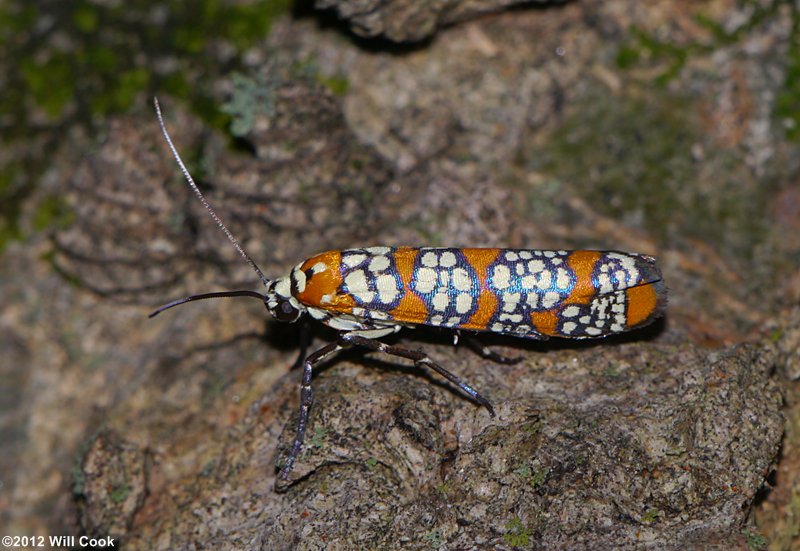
x: 489, y: 354
x: 419, y: 358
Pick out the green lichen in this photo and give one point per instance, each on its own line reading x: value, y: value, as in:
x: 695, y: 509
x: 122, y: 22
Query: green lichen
x: 208, y: 468
x: 251, y: 97
x: 52, y: 212
x: 650, y: 516
x: 92, y: 60
x: 632, y: 158
x: 78, y: 476
x: 794, y: 514
x: 669, y: 57
x: 120, y: 493
x: 337, y: 84
x: 538, y: 477
x: 754, y: 540
x: 319, y: 435
x: 534, y: 477
x: 434, y: 537
x: 612, y: 371
x: 517, y: 534
x: 787, y: 102
x: 533, y: 427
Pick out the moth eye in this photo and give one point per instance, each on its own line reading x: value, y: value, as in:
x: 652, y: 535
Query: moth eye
x: 285, y: 311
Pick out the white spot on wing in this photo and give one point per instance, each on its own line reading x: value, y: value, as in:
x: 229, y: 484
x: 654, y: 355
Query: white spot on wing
x: 356, y: 283
x: 535, y: 266
x: 463, y: 303
x: 352, y: 260
x: 501, y: 277
x: 387, y: 288
x: 543, y: 280
x: 549, y: 299
x: 379, y: 263
x: 440, y: 301
x: 425, y: 280
x: 447, y: 259
x: 571, y: 311
x: 514, y: 318
x: 429, y: 259
x: 562, y: 279
x: 365, y: 296
x: 510, y: 301
x: 461, y: 279
x: 605, y: 283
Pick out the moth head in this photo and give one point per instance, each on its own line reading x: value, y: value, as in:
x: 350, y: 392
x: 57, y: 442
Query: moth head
x: 280, y: 302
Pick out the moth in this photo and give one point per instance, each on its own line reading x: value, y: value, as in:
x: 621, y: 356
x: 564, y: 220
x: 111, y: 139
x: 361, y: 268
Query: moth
x: 372, y: 292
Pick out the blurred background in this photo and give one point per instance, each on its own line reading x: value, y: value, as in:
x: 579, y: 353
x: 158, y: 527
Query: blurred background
x: 668, y: 128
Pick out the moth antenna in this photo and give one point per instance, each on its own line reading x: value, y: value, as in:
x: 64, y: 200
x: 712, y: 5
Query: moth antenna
x: 203, y: 199
x: 221, y: 294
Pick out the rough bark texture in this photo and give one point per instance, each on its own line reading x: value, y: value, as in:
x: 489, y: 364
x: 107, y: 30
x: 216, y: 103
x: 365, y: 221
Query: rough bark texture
x: 538, y: 128
x: 411, y: 20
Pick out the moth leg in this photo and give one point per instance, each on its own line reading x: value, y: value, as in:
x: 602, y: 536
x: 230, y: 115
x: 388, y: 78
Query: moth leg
x: 306, y: 399
x: 305, y: 340
x: 490, y: 354
x: 420, y: 359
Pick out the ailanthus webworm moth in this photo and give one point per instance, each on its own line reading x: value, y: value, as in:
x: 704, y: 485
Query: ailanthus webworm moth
x: 372, y: 292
